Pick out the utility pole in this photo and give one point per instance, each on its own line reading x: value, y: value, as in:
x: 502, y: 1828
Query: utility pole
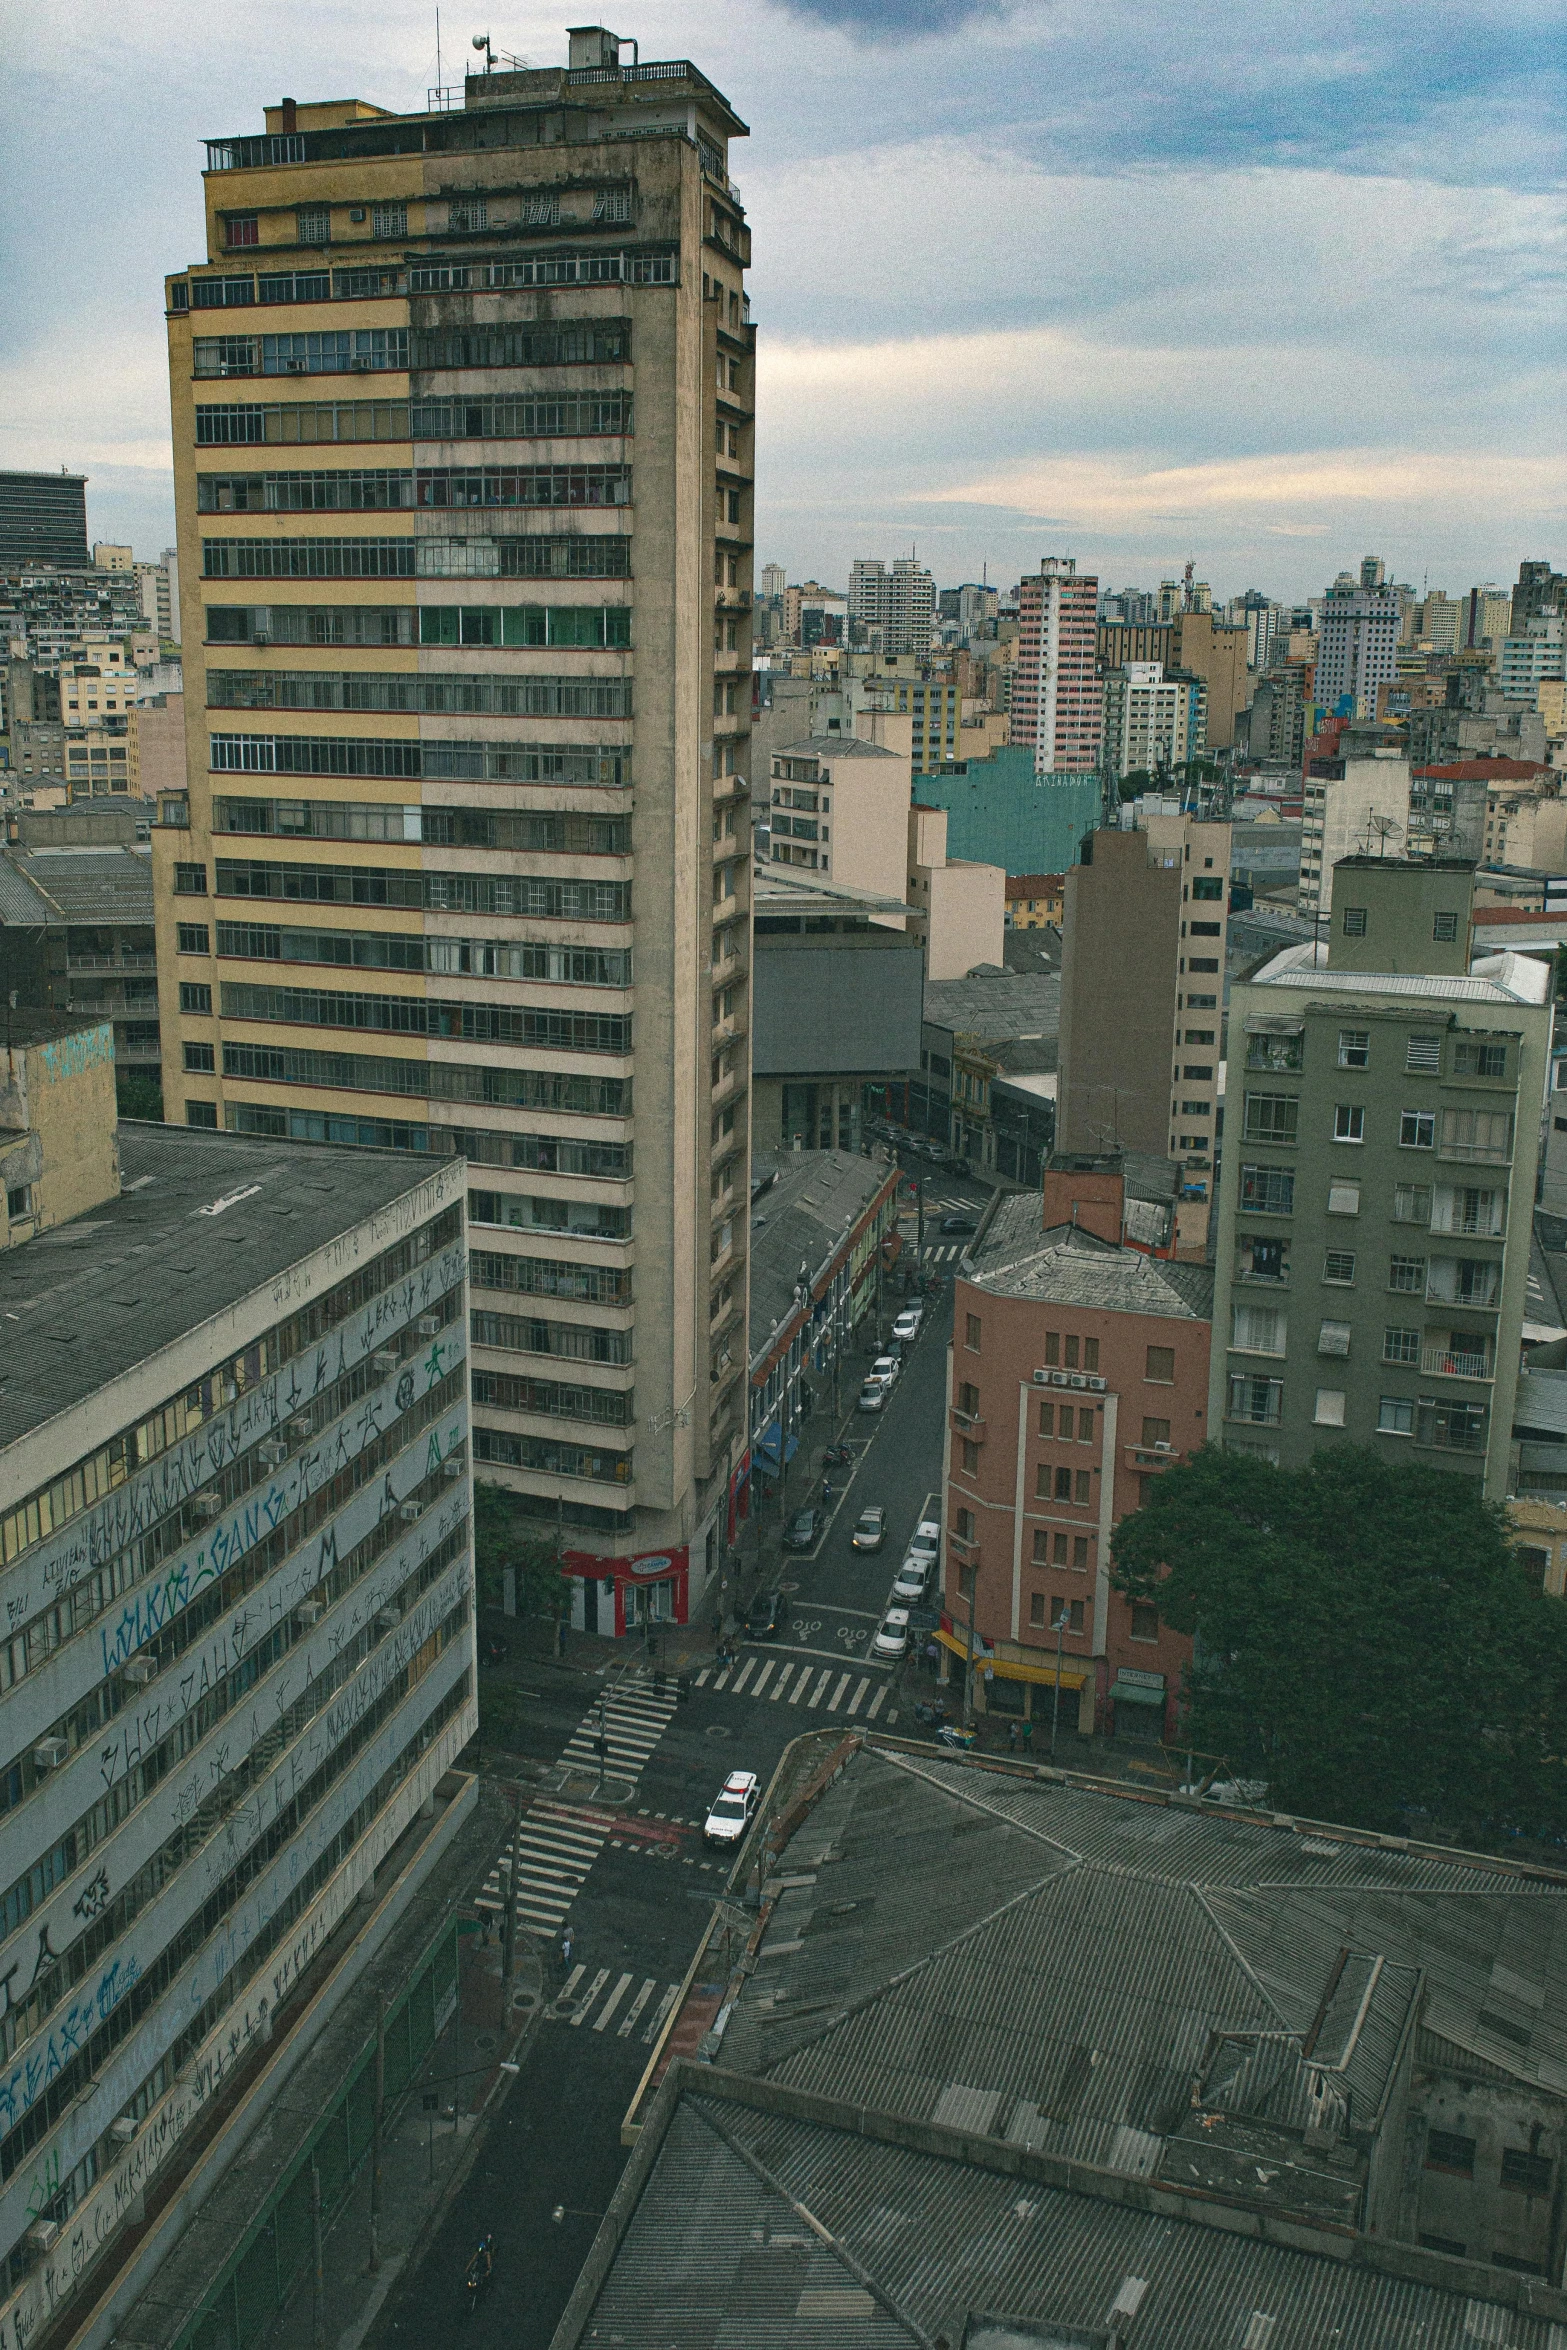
x: 1055, y: 1708
x: 379, y: 2132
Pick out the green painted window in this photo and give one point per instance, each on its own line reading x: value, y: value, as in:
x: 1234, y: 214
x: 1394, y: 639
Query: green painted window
x: 585, y: 627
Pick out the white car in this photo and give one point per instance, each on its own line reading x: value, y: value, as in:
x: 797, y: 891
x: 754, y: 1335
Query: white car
x: 907, y: 1327
x: 892, y: 1633
x: 885, y: 1368
x: 734, y: 1806
x: 912, y: 1579
x: 925, y: 1541
x: 872, y: 1396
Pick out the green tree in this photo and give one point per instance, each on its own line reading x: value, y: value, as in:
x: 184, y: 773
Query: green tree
x: 1366, y: 1641
x: 136, y: 1096
x: 503, y: 1538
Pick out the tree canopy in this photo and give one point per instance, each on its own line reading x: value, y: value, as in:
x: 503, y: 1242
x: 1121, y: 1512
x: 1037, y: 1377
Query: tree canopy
x: 503, y: 1538
x: 1365, y: 1640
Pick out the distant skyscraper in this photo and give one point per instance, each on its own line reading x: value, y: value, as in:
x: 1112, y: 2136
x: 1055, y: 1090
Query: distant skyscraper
x: 900, y: 602
x: 1359, y: 647
x: 43, y: 518
x: 1373, y: 571
x: 1056, y: 703
x: 774, y: 580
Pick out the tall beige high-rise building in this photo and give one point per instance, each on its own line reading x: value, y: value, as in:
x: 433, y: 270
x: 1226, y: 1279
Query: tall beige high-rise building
x: 462, y: 410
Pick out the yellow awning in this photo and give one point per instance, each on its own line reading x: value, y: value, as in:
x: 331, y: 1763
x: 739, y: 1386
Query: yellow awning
x: 1009, y: 1669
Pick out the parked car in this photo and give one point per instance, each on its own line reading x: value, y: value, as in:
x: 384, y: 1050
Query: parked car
x: 804, y: 1529
x: 885, y: 1368
x: 870, y: 1529
x: 913, y: 1580
x: 959, y: 1227
x: 907, y: 1327
x: 892, y: 1633
x: 872, y: 1396
x: 733, y: 1808
x: 765, y: 1614
x: 925, y: 1541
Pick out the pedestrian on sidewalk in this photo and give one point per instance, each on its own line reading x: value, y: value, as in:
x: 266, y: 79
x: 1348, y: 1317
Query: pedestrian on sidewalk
x: 565, y: 1948
x: 1012, y: 1737
x: 1028, y: 1735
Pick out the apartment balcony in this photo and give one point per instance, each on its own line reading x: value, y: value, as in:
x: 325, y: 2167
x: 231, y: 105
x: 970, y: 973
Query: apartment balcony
x: 131, y: 960
x: 729, y: 1084
x: 728, y: 599
x: 969, y: 1424
x: 1477, y: 1154
x: 1455, y: 1362
x: 731, y: 968
x: 1151, y: 1456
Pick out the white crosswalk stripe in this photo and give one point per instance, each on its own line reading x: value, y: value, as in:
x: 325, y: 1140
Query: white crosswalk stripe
x: 587, y: 2007
x: 580, y: 2015
x: 559, y: 1841
x: 628, y: 2022
x: 671, y: 1994
x: 606, y: 2014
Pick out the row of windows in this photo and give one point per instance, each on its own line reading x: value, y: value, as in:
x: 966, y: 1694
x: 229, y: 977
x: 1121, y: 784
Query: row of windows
x: 483, y: 1147
x: 445, y: 1081
x: 605, y: 1285
x: 1457, y: 1133
x: 1284, y: 1048
x: 553, y: 1398
x: 518, y: 894
x: 571, y: 1341
x: 384, y: 489
x: 486, y: 694
x: 1430, y: 1420
x: 468, y: 958
x: 526, y: 1212
x: 598, y: 555
x: 1264, y: 1330
x: 1458, y: 1208
x: 516, y: 1024
x: 378, y: 349
x: 583, y: 626
x: 463, y: 828
x: 257, y: 423
x: 298, y: 754
x: 551, y: 1456
x: 1470, y: 1281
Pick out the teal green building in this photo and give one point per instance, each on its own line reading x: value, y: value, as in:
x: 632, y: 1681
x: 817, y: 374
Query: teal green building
x: 999, y: 812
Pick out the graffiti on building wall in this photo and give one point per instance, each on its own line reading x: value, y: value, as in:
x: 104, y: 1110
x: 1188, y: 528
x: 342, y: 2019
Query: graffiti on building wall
x: 65, y: 1057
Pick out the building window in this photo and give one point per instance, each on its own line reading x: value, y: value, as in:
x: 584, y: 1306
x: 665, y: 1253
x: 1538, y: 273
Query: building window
x: 1083, y: 1480
x: 968, y: 1401
x: 242, y: 228
x: 1395, y: 1416
x: 1481, y: 1060
x: 466, y: 214
x: 19, y: 1201
x: 1417, y: 1130
x: 1354, y: 1048
x: 1338, y: 1266
x: 1530, y: 2173
x: 1047, y: 1419
x: 1343, y: 1199
x: 1036, y: 1608
x: 1407, y: 1274
x: 1041, y: 1547
x: 1400, y: 1345
x: 191, y: 938
x: 971, y: 1333
x: 1257, y: 1330
x: 1159, y: 1367
x: 389, y: 220
x: 201, y: 1114
x: 1354, y: 921
x: 1085, y: 1424
x: 195, y: 996
x: 1272, y: 1117
x: 1080, y: 1551
x: 1423, y: 1056
x: 1444, y: 926
x: 1330, y: 1407
x: 966, y: 1576
x: 1267, y: 1191
x: 200, y: 1060
x: 1349, y: 1123
x: 963, y: 1525
x: 1446, y: 2150
x: 313, y: 224
x: 1052, y: 1349
x: 1258, y: 1400
x: 1450, y: 1427
x: 1061, y: 1481
x: 1068, y: 1613
x: 1411, y: 1203
x: 190, y: 881
x: 970, y: 1458
x: 1156, y: 1431
x: 1264, y: 1051
x: 1145, y: 1620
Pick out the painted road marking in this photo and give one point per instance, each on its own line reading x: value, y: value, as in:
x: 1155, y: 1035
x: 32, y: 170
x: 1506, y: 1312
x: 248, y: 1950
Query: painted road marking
x: 606, y: 2012
x: 588, y: 1997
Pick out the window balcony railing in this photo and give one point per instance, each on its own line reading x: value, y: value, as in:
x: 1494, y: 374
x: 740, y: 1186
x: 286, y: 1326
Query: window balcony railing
x: 969, y: 1424
x: 1452, y: 1362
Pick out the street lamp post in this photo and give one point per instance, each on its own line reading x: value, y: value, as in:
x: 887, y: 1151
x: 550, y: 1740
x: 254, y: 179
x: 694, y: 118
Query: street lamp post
x: 1055, y: 1708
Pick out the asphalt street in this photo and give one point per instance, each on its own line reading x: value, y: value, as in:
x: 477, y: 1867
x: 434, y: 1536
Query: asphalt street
x: 552, y: 2155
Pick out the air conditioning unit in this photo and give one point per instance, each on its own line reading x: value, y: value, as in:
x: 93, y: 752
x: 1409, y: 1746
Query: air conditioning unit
x: 1162, y: 1444
x: 41, y: 2235
x: 299, y: 1425
x: 409, y: 1512
x: 140, y: 1671
x: 50, y: 1753
x: 206, y: 1507
x: 308, y: 1612
x: 384, y: 1360
x: 452, y: 1470
x: 272, y: 1454
x: 123, y: 2129
x: 1060, y: 1379
x: 1098, y: 1385
x: 1041, y: 1378
x: 428, y: 1325
x: 388, y: 1619
x: 1078, y: 1379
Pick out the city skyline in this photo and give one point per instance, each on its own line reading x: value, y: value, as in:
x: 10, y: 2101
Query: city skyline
x: 1287, y: 304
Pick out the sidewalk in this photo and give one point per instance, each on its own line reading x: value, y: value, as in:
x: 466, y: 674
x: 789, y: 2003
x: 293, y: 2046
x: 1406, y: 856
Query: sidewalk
x: 428, y: 2152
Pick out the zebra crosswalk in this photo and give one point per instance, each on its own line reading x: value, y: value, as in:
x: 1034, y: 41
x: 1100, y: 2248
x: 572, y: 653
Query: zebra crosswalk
x: 559, y: 1840
x: 808, y: 1685
x: 576, y: 2005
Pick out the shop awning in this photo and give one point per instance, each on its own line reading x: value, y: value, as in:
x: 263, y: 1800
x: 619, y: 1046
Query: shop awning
x: 1013, y: 1668
x: 766, y: 1446
x: 1134, y: 1693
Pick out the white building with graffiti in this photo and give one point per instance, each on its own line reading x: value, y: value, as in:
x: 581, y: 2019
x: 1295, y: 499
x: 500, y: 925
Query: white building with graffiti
x: 236, y: 1633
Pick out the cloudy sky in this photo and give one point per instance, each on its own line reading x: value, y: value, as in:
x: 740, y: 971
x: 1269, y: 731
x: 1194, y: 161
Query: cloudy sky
x: 1267, y: 286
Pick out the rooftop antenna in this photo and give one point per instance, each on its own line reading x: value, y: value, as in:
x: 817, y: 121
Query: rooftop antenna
x: 481, y: 42
x: 437, y: 48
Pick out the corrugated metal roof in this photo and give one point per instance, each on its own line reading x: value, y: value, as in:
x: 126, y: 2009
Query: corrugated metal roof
x: 92, y: 885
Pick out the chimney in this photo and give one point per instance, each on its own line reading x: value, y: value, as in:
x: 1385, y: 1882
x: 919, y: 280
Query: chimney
x: 290, y: 114
x: 1087, y: 1192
